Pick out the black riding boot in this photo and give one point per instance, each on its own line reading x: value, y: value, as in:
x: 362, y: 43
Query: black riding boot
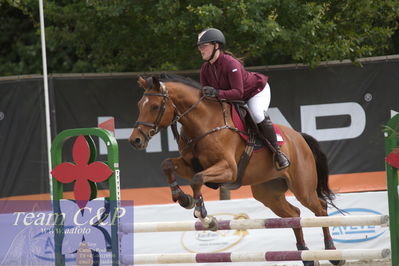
x: 267, y: 132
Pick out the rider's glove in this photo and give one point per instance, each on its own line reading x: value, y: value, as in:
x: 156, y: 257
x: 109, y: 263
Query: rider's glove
x: 210, y: 91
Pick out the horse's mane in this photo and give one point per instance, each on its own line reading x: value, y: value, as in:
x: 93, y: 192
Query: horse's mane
x: 165, y: 77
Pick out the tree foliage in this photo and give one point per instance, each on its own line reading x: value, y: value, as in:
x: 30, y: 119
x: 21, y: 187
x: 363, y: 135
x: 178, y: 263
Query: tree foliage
x: 131, y: 35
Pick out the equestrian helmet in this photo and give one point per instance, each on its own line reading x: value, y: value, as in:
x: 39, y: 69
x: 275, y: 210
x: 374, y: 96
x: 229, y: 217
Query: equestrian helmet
x: 211, y: 35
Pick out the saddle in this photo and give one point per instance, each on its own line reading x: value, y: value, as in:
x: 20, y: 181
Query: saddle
x: 245, y: 124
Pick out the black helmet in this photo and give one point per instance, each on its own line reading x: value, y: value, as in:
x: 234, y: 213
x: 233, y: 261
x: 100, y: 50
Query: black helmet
x: 211, y: 35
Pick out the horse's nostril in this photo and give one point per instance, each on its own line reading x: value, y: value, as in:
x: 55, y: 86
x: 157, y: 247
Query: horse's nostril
x: 137, y: 140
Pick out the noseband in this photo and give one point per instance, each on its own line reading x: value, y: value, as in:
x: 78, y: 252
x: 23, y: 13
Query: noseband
x: 177, y: 115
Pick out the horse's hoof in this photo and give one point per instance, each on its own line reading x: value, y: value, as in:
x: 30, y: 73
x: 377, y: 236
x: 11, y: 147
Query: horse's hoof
x: 200, y: 212
x: 310, y: 263
x: 210, y: 223
x: 329, y: 245
x: 306, y: 262
x: 337, y: 262
x: 213, y: 225
x: 186, y: 201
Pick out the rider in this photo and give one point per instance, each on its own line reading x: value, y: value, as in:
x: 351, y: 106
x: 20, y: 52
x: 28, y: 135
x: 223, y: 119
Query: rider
x: 223, y: 76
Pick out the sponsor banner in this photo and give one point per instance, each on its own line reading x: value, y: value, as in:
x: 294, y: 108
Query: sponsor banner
x: 345, y: 237
x: 29, y: 230
x: 344, y: 106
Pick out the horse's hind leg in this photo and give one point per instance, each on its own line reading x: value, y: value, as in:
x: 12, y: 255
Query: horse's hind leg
x: 169, y: 167
x: 328, y: 241
x: 319, y: 208
x: 276, y: 201
x: 310, y: 180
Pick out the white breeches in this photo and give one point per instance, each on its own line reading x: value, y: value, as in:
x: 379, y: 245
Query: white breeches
x: 259, y: 104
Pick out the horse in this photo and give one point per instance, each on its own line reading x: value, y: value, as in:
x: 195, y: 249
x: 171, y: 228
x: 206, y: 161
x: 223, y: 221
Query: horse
x: 210, y: 148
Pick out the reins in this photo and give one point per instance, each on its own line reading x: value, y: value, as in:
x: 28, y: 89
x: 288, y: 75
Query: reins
x: 178, y: 115
x: 193, y: 141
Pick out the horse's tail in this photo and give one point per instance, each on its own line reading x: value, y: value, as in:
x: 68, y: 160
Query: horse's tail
x: 323, y: 190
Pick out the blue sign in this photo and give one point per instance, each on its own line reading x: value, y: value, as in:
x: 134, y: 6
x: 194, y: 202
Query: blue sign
x: 356, y: 234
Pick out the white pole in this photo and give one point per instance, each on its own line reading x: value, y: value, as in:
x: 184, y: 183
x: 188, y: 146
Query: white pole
x: 46, y: 95
x: 327, y: 221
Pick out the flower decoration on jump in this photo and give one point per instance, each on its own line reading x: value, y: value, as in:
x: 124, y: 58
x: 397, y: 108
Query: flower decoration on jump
x: 393, y: 158
x: 81, y: 172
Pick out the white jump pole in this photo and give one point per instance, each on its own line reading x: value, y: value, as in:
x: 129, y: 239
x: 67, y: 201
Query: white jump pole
x: 308, y: 255
x: 256, y: 223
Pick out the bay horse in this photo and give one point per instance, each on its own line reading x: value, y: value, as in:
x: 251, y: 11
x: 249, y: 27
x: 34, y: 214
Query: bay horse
x: 210, y: 149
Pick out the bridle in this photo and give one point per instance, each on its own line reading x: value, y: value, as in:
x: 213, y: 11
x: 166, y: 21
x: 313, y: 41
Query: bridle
x: 177, y: 115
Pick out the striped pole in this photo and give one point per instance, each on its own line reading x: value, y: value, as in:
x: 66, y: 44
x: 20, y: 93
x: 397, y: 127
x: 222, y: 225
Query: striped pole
x: 308, y: 255
x: 295, y: 222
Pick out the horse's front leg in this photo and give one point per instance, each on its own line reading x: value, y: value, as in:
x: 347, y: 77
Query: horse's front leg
x: 177, y: 165
x: 220, y: 172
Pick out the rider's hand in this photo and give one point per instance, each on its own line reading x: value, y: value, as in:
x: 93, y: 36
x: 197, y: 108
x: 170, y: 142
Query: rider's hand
x: 210, y: 91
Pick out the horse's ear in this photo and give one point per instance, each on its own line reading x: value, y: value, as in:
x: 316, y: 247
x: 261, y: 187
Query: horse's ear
x: 149, y: 83
x: 155, y: 83
x: 142, y: 82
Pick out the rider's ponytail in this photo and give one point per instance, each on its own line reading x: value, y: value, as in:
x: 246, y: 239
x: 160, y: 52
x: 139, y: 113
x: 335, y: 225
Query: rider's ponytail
x: 239, y: 59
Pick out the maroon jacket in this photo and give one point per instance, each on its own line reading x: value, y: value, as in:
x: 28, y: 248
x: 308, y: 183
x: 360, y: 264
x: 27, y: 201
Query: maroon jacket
x: 228, y: 75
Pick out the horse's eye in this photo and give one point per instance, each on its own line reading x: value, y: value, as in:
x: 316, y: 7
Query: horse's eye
x: 154, y: 107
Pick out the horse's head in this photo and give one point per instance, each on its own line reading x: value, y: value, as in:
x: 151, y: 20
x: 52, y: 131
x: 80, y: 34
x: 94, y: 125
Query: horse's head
x: 155, y: 112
